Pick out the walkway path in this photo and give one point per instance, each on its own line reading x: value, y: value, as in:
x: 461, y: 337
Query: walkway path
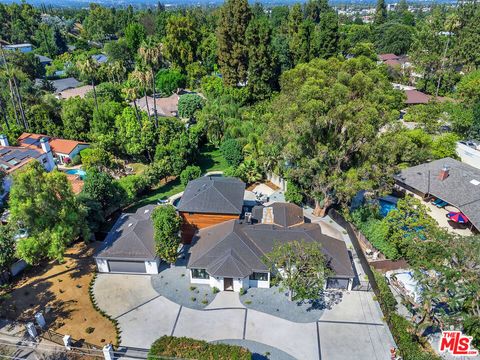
x: 354, y: 326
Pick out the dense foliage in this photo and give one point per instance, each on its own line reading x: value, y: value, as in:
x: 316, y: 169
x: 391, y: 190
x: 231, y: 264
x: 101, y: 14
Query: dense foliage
x: 183, y: 347
x: 166, y: 227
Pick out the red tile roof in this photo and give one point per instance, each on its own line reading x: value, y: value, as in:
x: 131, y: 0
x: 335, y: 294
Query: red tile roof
x: 416, y: 97
x: 385, y: 57
x: 58, y: 145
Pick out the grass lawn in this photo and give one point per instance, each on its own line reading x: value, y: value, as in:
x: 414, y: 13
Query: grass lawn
x: 60, y: 291
x: 210, y: 159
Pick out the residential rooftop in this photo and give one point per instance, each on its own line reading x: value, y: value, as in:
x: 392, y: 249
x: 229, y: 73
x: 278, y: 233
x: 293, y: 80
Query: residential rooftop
x: 57, y: 145
x: 460, y: 188
x: 213, y: 195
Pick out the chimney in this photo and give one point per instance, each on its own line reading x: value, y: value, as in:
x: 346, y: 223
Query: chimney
x: 444, y: 173
x: 267, y: 216
x: 50, y: 165
x: 3, y: 140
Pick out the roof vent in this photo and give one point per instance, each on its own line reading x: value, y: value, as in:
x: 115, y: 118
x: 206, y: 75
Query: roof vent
x: 130, y: 224
x: 474, y: 182
x: 146, y: 211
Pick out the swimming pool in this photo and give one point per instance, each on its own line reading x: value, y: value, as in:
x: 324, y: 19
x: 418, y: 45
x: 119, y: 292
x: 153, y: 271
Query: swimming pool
x: 79, y: 172
x: 386, y: 207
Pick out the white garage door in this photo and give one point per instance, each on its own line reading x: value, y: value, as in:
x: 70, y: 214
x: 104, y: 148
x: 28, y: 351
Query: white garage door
x: 127, y: 266
x: 337, y: 283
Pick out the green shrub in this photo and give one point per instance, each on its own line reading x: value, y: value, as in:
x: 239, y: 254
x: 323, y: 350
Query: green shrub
x: 215, y: 290
x: 89, y: 330
x: 192, y: 288
x: 170, y: 346
x: 385, y: 297
x: 168, y: 81
x: 190, y: 173
x: 232, y: 152
x: 188, y: 104
x: 293, y: 194
x: 133, y: 186
x: 242, y: 291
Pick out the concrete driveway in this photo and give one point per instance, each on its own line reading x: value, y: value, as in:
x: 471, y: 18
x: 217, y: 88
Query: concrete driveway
x: 352, y: 329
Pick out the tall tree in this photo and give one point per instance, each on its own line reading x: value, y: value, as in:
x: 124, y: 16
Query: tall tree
x: 314, y: 9
x: 46, y: 206
x: 88, y: 69
x: 322, y: 124
x: 262, y: 69
x: 325, y: 41
x: 233, y: 22
x: 151, y: 53
x: 380, y: 13
x: 166, y: 227
x: 181, y: 41
x: 304, y: 269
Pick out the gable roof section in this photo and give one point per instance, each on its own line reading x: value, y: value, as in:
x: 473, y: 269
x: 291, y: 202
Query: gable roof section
x: 15, y: 157
x: 385, y: 57
x: 64, y: 84
x: 61, y: 146
x: 131, y: 238
x: 236, y: 249
x: 457, y: 189
x: 284, y: 214
x: 213, y: 195
x: 223, y: 250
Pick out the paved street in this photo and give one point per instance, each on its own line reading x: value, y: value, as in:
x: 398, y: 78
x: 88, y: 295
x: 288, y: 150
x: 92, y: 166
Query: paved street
x: 352, y: 328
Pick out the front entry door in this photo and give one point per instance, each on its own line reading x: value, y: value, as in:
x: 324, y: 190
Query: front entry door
x: 228, y: 284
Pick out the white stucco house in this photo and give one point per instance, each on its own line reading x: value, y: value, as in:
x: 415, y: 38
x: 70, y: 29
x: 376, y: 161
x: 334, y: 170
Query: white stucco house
x: 230, y: 256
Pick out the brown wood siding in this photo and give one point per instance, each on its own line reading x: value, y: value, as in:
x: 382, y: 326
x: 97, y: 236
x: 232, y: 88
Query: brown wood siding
x: 191, y: 222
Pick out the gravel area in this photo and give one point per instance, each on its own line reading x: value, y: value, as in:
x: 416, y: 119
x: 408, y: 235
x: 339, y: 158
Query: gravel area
x: 275, y: 302
x: 174, y: 284
x: 259, y: 351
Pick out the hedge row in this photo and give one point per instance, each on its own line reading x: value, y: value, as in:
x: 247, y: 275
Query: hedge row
x: 402, y: 330
x: 186, y: 348
x: 103, y: 313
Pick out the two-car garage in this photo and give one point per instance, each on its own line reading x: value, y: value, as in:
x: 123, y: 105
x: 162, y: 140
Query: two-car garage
x: 127, y: 266
x: 129, y: 246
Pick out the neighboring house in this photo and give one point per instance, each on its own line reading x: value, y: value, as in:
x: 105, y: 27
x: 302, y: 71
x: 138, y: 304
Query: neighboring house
x: 24, y: 48
x: 100, y: 58
x: 64, y: 84
x: 80, y: 92
x: 63, y: 150
x: 469, y: 153
x: 447, y: 179
x: 13, y: 158
x: 44, y: 60
x: 231, y: 255
x: 166, y: 107
x: 209, y: 200
x: 129, y: 246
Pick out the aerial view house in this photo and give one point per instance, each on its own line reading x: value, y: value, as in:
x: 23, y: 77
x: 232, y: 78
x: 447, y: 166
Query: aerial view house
x: 24, y: 48
x: 208, y: 201
x: 166, y: 106
x: 63, y: 150
x: 13, y: 158
x: 129, y: 246
x: 231, y: 255
x: 447, y: 182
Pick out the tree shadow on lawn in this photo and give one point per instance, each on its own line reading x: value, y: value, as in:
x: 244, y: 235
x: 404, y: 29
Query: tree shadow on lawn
x: 23, y: 303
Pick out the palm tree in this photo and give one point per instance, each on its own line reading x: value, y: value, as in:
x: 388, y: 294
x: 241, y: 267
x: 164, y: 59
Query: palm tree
x: 118, y: 70
x: 88, y: 69
x: 143, y: 76
x: 151, y: 53
x: 131, y: 94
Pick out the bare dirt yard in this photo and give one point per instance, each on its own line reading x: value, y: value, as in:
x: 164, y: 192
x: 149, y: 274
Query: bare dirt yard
x: 60, y: 291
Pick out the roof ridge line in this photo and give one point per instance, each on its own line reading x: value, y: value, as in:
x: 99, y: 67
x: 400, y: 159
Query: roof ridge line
x: 201, y: 192
x: 213, y: 185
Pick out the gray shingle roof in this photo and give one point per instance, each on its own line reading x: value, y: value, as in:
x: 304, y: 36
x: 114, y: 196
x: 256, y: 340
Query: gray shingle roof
x: 64, y: 84
x: 284, y: 214
x: 457, y: 189
x: 213, y: 195
x: 236, y: 249
x: 131, y: 238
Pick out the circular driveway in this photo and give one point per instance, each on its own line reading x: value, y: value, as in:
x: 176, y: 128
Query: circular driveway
x: 354, y: 326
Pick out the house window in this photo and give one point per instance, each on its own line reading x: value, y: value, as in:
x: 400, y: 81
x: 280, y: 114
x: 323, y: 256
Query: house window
x: 259, y: 276
x: 200, y: 274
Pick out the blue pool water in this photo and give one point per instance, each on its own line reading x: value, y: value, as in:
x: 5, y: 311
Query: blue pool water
x: 386, y: 207
x: 78, y: 172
